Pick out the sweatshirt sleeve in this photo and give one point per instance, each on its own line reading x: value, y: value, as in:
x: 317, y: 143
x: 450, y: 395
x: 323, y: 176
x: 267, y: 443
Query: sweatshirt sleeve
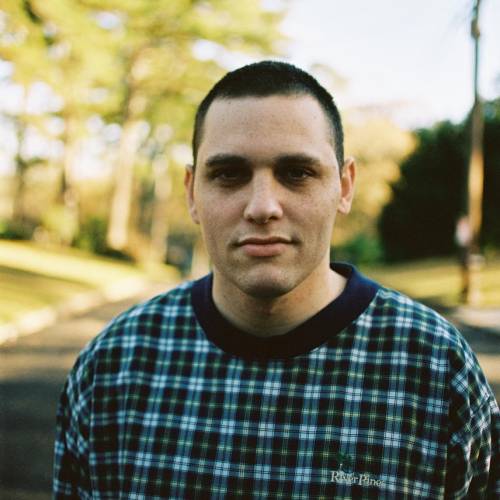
x: 71, y: 473
x: 474, y: 433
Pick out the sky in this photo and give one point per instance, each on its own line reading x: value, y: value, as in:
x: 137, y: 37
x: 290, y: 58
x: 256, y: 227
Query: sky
x: 413, y: 56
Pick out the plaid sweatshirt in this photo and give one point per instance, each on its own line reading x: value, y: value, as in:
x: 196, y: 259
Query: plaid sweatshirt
x: 376, y: 396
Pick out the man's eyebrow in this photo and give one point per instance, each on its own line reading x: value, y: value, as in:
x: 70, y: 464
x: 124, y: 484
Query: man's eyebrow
x: 298, y: 159
x: 228, y: 159
x: 223, y: 159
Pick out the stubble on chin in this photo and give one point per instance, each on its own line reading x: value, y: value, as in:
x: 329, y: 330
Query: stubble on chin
x: 262, y: 284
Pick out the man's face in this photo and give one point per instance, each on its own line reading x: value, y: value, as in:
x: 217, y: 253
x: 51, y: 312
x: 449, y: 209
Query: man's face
x: 266, y: 190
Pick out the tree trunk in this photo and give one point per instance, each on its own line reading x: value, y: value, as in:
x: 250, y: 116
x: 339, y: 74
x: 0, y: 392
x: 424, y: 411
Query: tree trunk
x: 159, y: 222
x: 118, y: 232
x: 68, y: 194
x: 20, y: 164
x: 17, y: 212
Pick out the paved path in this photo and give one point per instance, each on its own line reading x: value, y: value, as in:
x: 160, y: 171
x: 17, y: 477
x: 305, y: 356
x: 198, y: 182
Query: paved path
x: 32, y: 372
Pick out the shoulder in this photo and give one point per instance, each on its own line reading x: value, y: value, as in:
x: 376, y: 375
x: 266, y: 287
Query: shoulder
x: 144, y: 326
x: 146, y: 317
x: 434, y: 340
x: 409, y: 317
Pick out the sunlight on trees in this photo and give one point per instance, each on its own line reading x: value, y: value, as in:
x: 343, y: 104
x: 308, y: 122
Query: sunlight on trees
x: 138, y: 66
x: 97, y: 116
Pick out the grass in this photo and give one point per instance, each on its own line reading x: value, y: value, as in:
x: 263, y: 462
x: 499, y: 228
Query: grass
x: 437, y: 281
x: 32, y: 277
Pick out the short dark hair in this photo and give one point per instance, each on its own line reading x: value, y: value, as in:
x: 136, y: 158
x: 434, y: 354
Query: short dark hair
x: 266, y: 78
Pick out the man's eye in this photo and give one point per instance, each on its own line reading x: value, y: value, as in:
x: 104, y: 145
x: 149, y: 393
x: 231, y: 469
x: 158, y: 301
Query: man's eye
x: 295, y: 174
x: 229, y: 175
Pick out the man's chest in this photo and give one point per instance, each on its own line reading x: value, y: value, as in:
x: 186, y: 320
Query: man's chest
x: 274, y: 430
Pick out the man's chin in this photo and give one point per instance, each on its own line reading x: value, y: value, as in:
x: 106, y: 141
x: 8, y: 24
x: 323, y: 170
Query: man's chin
x: 264, y: 280
x: 265, y: 287
x: 266, y: 292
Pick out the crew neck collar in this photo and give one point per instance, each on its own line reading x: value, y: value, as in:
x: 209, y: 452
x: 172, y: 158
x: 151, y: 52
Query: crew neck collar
x: 333, y: 318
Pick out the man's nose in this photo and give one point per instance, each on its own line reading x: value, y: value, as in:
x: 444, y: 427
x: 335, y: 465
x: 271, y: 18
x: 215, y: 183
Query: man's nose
x: 263, y: 203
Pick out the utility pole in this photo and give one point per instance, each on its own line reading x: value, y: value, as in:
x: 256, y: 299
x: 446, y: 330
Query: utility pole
x: 471, y: 292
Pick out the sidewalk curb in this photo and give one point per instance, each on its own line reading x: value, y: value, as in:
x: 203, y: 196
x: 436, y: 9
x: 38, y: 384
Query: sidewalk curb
x: 35, y: 321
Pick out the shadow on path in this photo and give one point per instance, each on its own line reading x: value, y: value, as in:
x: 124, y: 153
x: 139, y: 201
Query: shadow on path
x: 32, y: 374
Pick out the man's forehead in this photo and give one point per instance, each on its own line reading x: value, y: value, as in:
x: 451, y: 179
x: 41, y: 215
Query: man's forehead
x: 246, y: 111
x: 285, y: 99
x: 263, y: 129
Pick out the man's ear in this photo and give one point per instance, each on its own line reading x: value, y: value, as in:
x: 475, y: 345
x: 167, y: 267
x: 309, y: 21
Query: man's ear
x: 189, y: 186
x: 347, y: 179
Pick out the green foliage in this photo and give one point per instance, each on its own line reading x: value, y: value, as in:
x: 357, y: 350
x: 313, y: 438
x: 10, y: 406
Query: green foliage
x: 15, y: 230
x: 92, y: 236
x: 430, y: 195
x: 126, y: 63
x: 378, y: 147
x: 362, y: 249
x: 490, y: 236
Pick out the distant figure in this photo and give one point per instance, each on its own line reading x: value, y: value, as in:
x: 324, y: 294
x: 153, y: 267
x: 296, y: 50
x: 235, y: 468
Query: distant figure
x: 463, y: 238
x: 280, y: 375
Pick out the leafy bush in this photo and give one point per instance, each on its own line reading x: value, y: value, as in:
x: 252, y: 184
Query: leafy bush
x: 431, y: 193
x: 92, y: 237
x: 13, y: 230
x: 361, y: 249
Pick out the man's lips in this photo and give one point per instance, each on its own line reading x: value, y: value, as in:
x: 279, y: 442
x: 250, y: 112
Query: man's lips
x: 258, y: 240
x: 264, y: 247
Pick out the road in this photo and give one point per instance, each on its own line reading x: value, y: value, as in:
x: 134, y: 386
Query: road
x: 33, y: 370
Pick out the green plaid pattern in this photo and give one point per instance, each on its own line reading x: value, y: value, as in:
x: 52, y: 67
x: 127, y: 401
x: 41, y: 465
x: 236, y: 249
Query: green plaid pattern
x: 392, y: 404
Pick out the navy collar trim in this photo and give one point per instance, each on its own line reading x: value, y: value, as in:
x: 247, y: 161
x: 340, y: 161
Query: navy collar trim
x: 332, y: 319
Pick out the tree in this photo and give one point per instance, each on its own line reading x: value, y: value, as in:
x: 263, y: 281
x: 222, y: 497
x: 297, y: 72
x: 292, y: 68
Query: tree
x: 142, y: 59
x: 378, y: 146
x: 427, y: 200
x: 159, y: 71
x: 16, y: 18
x: 54, y: 42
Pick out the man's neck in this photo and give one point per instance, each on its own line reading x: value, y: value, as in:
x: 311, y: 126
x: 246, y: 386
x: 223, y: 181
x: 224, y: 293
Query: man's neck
x: 276, y: 316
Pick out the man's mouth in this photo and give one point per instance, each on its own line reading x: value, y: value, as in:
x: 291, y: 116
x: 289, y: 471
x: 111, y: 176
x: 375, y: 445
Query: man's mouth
x: 270, y: 246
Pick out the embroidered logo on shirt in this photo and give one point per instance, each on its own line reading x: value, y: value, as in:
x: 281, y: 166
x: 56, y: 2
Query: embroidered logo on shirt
x: 341, y: 477
x: 348, y: 476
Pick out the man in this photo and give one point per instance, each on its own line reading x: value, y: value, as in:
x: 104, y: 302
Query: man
x: 278, y: 375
